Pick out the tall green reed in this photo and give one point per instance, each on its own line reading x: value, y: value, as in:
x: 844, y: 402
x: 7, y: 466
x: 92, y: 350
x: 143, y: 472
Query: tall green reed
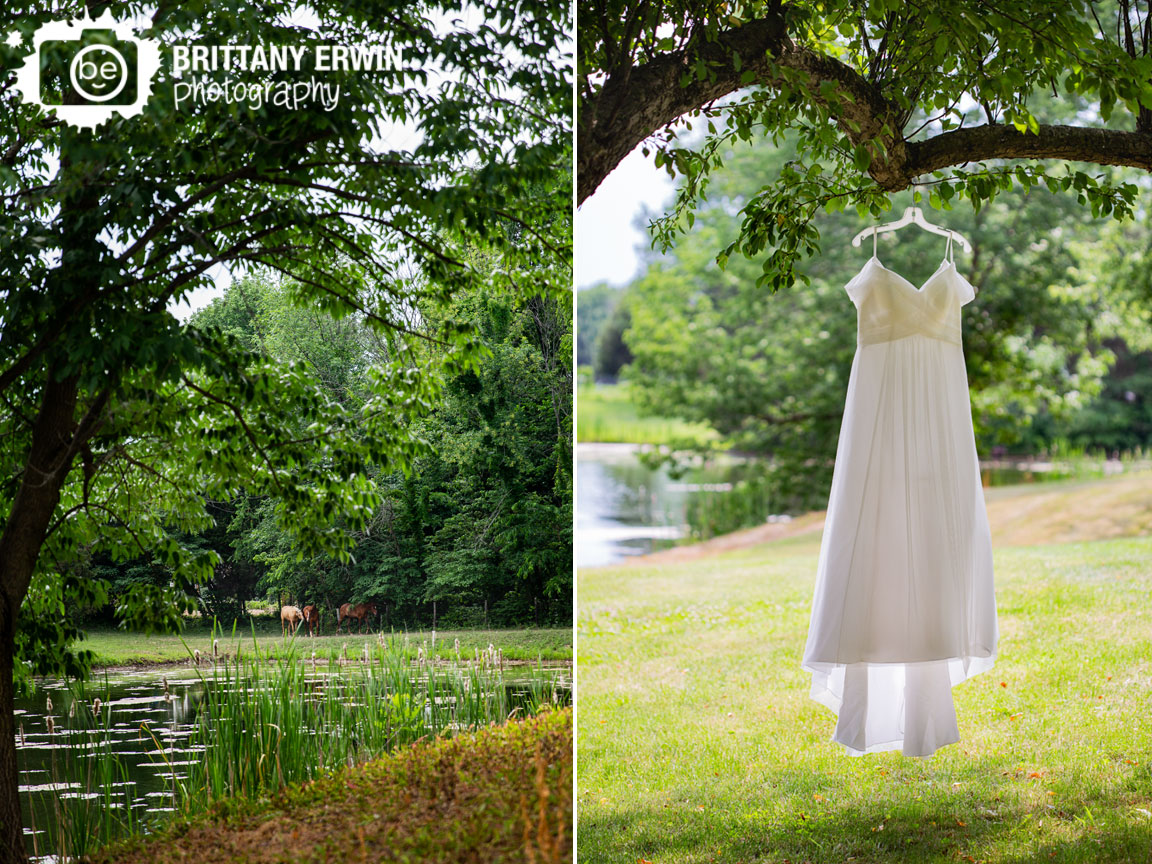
x: 265, y: 724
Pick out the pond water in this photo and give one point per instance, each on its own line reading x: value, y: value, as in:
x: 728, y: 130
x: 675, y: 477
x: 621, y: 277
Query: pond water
x: 147, y: 720
x: 624, y: 508
x: 146, y: 728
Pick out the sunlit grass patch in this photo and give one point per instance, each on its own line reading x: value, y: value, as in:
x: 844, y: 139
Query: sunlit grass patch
x: 698, y: 742
x: 119, y: 648
x: 607, y: 413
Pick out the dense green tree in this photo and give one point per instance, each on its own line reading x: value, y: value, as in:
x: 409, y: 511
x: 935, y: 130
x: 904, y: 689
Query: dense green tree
x: 120, y: 423
x: 596, y: 304
x: 485, y: 519
x: 487, y: 493
x: 612, y: 352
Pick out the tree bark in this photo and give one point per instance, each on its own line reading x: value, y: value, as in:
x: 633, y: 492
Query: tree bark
x: 1073, y: 143
x: 50, y: 458
x: 638, y: 100
x: 11, y: 821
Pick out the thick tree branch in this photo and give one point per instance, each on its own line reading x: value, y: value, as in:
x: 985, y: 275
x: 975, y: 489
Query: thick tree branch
x: 636, y: 100
x: 1073, y: 143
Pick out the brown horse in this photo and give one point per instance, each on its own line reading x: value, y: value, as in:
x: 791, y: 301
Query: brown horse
x: 311, y: 616
x: 359, y: 612
x: 290, y: 618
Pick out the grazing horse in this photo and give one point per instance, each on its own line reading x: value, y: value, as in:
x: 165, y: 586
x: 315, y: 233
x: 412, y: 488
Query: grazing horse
x: 359, y: 612
x: 290, y: 618
x: 311, y: 615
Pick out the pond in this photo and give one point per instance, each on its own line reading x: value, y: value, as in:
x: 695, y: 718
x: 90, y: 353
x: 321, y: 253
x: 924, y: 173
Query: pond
x: 624, y: 508
x: 124, y: 759
x: 149, y: 726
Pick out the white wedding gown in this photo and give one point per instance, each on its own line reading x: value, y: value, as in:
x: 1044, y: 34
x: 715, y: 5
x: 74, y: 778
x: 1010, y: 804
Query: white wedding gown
x: 904, y: 607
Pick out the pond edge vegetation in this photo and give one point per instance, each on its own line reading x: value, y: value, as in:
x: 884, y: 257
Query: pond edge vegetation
x: 308, y: 716
x: 504, y: 791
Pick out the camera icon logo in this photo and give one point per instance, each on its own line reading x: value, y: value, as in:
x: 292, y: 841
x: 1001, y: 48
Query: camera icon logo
x: 86, y: 71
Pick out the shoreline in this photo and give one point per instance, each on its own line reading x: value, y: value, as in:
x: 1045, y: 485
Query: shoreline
x: 160, y: 665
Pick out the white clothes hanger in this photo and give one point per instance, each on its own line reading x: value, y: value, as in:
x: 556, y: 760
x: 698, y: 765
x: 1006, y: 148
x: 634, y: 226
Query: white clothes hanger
x: 912, y: 216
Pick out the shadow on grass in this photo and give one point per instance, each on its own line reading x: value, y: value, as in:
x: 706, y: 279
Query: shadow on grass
x: 918, y: 823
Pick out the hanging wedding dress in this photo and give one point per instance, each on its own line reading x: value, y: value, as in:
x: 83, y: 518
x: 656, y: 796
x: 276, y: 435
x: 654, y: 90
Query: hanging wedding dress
x: 904, y: 607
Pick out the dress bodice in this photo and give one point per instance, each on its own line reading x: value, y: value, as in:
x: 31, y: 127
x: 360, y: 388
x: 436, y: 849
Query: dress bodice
x: 890, y: 307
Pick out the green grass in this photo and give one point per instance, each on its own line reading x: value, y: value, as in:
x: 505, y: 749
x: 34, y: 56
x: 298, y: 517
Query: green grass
x: 502, y: 794
x: 607, y: 413
x: 120, y: 648
x: 698, y: 742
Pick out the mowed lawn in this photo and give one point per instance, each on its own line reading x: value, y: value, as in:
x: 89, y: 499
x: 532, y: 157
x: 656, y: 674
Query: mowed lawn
x: 121, y: 648
x: 697, y: 741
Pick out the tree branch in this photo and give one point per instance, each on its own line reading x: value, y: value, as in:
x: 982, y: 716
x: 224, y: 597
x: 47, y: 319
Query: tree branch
x: 1073, y: 143
x: 636, y: 100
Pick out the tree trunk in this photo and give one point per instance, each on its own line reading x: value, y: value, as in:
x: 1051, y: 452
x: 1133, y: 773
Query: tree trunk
x: 485, y: 612
x: 12, y: 848
x: 433, y: 616
x: 50, y: 458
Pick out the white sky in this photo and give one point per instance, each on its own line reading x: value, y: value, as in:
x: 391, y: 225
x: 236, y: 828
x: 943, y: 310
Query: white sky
x: 607, y: 234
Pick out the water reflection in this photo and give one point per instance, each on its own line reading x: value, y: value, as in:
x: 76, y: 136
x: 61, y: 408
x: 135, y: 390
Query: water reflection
x: 624, y: 508
x: 145, y: 718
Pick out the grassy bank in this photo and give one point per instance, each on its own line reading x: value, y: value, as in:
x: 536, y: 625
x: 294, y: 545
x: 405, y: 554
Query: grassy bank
x: 503, y: 793
x: 608, y: 413
x: 118, y: 648
x: 698, y: 742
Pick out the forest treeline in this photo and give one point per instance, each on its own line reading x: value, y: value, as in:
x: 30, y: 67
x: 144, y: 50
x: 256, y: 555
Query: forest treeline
x: 477, y: 532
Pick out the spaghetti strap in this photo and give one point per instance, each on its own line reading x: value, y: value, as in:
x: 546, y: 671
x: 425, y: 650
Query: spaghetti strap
x: 949, y: 253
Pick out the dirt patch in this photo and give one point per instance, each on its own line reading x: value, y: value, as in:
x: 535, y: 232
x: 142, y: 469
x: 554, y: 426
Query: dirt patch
x: 809, y: 523
x: 504, y: 793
